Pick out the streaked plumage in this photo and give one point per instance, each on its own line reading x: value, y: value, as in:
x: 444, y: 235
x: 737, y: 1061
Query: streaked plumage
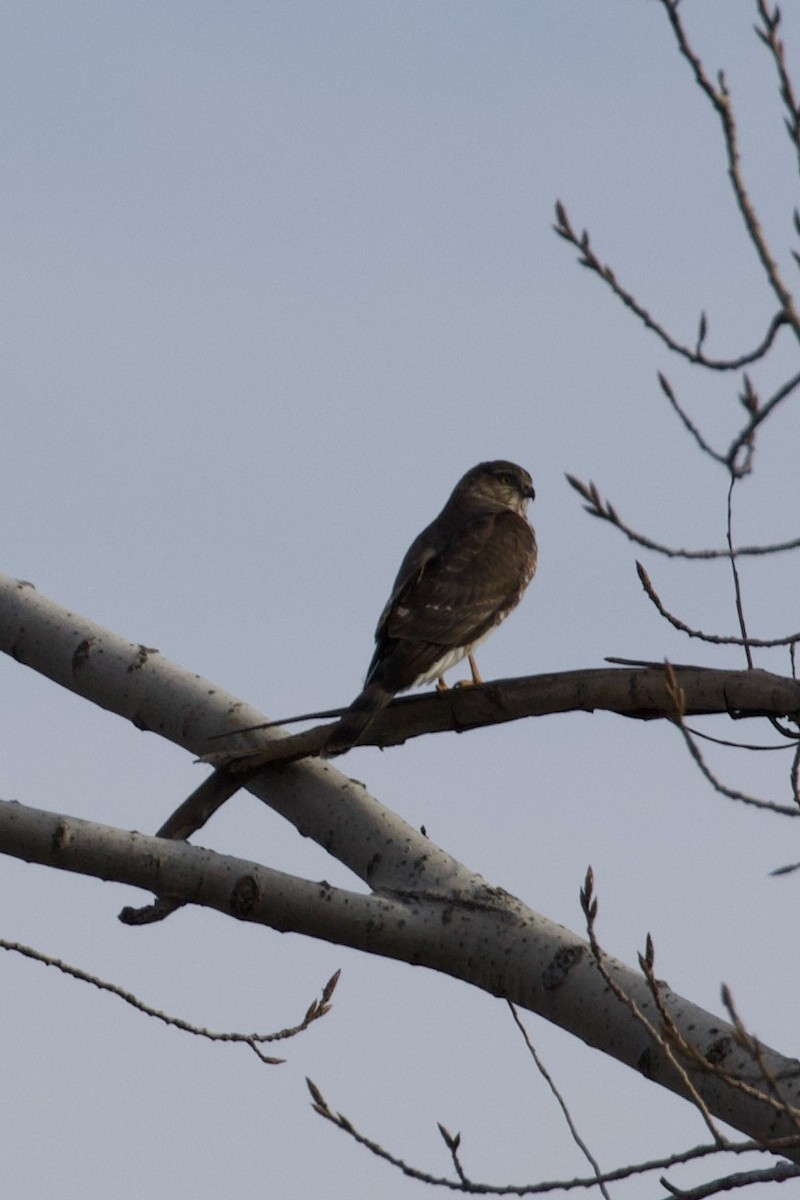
x: 460, y: 578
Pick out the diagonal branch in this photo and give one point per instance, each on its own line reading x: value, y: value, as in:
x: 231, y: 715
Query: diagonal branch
x: 425, y: 907
x: 480, y: 935
x: 139, y: 684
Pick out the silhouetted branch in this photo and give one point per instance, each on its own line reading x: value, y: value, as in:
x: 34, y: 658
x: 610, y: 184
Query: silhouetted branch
x: 317, y: 1008
x: 744, y: 438
x: 679, y: 701
x: 715, y: 639
x: 545, y: 1074
x: 473, y: 1187
x: 606, y: 511
x: 720, y: 100
x: 687, y: 422
x: 657, y: 1034
x: 737, y: 588
x: 642, y: 694
x: 780, y: 1173
x: 588, y: 258
x: 769, y: 36
x: 756, y: 1051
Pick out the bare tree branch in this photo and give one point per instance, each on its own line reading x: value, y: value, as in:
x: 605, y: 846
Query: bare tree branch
x: 562, y: 1104
x: 606, y: 511
x: 729, y: 792
x: 657, y: 1030
x: 413, y: 882
x: 769, y: 36
x: 317, y: 1008
x: 582, y: 242
x: 737, y: 586
x: 688, y: 423
x: 720, y: 100
x: 757, y: 418
x: 715, y: 639
x: 463, y: 927
x: 780, y: 1173
x: 140, y: 684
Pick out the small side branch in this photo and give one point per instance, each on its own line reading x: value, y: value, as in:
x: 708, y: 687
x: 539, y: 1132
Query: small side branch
x: 587, y: 258
x: 562, y: 1104
x: 604, y: 510
x: 744, y: 439
x: 715, y: 639
x: 317, y: 1008
x: 768, y: 34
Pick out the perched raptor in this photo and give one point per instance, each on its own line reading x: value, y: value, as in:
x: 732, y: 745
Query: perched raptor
x: 460, y: 578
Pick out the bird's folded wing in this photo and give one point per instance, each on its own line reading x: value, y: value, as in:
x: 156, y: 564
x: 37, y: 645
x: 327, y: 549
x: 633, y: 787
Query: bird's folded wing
x: 458, y: 594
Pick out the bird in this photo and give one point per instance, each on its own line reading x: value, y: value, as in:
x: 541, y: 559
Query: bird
x: 459, y: 579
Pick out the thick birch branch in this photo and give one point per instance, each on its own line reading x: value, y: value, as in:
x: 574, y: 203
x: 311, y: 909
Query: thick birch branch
x: 138, y: 683
x: 425, y: 907
x: 485, y: 937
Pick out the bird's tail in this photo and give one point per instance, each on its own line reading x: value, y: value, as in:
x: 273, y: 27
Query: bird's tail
x: 351, y: 727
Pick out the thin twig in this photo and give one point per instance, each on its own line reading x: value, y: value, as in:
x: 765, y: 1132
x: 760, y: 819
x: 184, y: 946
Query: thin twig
x: 749, y: 746
x: 752, y: 1045
x: 719, y: 98
x: 589, y: 906
x: 542, y: 1069
x: 794, y: 776
x: 687, y: 422
x: 735, y: 571
x: 317, y: 1008
x: 676, y: 692
x: 769, y: 36
x: 670, y: 1039
x: 606, y: 511
x: 757, y: 418
x: 588, y: 258
x: 715, y: 639
x: 453, y: 1142
x: 323, y: 1109
x: 733, y: 793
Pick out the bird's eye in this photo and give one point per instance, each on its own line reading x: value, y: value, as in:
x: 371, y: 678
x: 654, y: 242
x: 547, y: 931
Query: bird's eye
x: 506, y: 478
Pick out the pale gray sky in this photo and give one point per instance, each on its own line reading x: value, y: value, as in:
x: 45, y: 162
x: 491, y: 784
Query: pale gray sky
x: 274, y: 276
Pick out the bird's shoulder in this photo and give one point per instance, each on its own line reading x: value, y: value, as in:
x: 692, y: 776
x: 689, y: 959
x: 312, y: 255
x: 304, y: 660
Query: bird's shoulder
x: 456, y: 526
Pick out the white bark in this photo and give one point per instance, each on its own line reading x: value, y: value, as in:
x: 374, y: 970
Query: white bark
x: 425, y: 907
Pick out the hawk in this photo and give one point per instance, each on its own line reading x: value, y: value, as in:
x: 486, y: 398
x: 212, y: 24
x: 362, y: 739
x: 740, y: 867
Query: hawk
x: 460, y: 578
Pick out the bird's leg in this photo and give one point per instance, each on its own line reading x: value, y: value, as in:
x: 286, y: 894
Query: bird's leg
x: 476, y: 680
x: 442, y: 685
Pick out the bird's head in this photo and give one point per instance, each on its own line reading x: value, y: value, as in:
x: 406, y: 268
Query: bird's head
x: 501, y: 482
